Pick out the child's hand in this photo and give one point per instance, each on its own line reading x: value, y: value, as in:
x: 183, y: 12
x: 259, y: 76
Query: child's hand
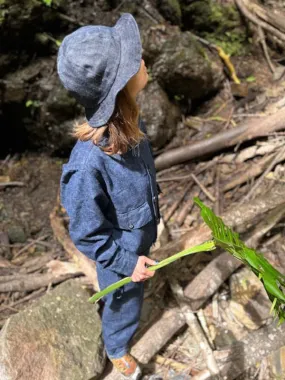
x: 140, y: 272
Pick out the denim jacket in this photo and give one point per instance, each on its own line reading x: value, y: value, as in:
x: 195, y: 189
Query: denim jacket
x: 112, y: 203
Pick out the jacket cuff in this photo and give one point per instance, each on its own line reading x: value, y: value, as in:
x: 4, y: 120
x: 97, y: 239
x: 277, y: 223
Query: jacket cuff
x: 124, y: 263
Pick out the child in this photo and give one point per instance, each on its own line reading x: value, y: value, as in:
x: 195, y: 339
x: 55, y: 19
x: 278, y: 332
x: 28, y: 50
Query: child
x: 108, y: 187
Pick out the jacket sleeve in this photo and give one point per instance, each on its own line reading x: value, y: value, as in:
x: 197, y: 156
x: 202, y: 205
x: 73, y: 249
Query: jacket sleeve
x: 85, y: 201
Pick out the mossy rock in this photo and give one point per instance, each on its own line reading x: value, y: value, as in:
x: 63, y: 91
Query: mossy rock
x: 186, y: 69
x: 171, y: 10
x: 19, y: 20
x: 56, y: 337
x: 220, y: 24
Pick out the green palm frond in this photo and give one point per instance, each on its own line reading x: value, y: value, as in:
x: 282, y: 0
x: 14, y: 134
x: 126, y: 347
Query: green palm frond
x: 207, y: 246
x: 273, y: 281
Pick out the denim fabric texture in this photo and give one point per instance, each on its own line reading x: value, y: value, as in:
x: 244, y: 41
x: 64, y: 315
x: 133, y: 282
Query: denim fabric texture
x: 121, y: 312
x: 112, y: 203
x: 95, y: 62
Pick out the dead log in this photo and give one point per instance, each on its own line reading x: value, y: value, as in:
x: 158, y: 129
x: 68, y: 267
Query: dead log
x: 27, y: 283
x: 84, y: 264
x: 252, y: 129
x: 242, y: 176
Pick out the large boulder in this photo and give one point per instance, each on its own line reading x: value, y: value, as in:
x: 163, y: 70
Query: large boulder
x: 161, y: 116
x: 57, y: 338
x: 185, y: 69
x: 154, y: 38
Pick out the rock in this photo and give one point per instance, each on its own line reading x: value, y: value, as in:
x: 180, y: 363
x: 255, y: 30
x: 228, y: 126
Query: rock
x: 170, y: 10
x: 154, y: 38
x: 185, y: 69
x: 219, y: 23
x: 277, y: 363
x: 56, y: 338
x: 161, y: 116
x: 19, y: 20
x: 16, y: 234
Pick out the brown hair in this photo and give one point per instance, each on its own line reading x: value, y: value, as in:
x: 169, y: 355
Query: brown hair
x: 121, y: 130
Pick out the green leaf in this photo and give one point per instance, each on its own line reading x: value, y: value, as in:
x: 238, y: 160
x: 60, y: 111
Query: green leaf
x: 47, y: 2
x: 272, y: 306
x: 271, y: 278
x: 207, y: 246
x: 251, y: 78
x: 29, y: 103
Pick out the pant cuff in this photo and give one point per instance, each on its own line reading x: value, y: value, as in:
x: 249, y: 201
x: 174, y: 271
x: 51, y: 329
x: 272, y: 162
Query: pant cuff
x: 117, y: 354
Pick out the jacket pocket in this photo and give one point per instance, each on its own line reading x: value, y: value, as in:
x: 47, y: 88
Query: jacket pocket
x: 135, y: 218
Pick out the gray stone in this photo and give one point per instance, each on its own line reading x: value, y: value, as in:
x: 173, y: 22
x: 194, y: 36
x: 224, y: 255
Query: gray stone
x: 153, y: 39
x: 16, y: 234
x: 186, y: 69
x: 56, y: 338
x: 161, y: 116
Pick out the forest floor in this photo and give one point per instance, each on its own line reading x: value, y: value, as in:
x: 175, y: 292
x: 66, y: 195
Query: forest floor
x: 25, y: 209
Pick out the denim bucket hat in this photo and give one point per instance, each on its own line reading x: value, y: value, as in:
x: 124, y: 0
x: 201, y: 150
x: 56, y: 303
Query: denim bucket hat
x: 95, y: 62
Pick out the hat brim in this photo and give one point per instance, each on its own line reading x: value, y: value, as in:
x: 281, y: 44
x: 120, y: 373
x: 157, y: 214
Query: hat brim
x: 127, y: 32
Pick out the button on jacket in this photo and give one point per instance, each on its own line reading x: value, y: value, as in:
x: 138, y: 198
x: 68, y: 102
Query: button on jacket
x: 112, y: 203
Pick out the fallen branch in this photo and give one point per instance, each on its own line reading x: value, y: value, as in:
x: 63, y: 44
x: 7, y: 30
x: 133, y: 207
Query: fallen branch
x: 84, y: 264
x: 15, y: 183
x: 280, y: 156
x: 176, y: 204
x: 195, y: 328
x: 244, y: 6
x: 27, y: 283
x: 252, y: 129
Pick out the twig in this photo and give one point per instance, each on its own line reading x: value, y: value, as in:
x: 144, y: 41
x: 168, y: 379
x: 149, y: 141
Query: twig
x: 70, y: 19
x: 195, y: 328
x: 27, y: 298
x: 264, y: 47
x: 171, y: 363
x: 203, y: 323
x: 29, y: 245
x: 171, y: 210
x: 187, y: 207
x: 261, y: 178
x: 15, y: 183
x: 243, y: 8
x: 202, y: 187
x: 173, y: 178
x: 149, y: 15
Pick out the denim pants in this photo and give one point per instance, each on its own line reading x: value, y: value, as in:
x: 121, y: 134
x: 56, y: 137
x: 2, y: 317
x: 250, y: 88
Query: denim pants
x: 121, y: 312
